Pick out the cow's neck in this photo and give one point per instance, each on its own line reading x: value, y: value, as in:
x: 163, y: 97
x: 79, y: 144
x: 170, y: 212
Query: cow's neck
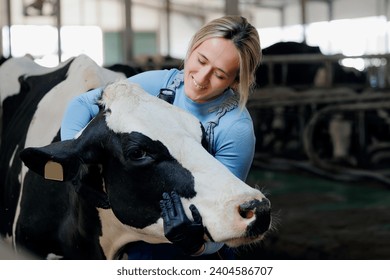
x: 116, y: 235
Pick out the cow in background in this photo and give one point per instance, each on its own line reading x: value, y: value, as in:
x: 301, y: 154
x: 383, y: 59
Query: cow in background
x: 127, y: 70
x: 14, y: 72
x: 305, y: 75
x: 23, y: 85
x: 114, y: 173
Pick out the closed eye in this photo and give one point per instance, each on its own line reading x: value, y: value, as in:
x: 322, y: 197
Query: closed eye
x: 219, y: 76
x: 201, y: 62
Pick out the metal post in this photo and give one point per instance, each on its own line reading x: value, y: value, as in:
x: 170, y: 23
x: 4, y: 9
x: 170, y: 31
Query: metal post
x: 282, y: 10
x: 9, y: 23
x: 58, y: 18
x: 168, y: 16
x: 304, y: 21
x: 231, y: 7
x: 330, y: 10
x: 128, y: 33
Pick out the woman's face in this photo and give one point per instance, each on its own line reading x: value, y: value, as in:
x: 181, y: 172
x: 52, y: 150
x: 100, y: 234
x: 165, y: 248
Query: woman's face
x: 210, y: 69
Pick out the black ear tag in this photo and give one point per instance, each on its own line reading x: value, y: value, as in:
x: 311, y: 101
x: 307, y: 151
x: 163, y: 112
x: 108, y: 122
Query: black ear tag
x: 167, y: 95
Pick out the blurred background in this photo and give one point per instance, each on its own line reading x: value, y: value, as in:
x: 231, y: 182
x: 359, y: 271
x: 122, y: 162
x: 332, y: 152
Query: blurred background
x: 320, y: 105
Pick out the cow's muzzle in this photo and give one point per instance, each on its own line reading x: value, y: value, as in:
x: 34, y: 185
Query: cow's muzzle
x: 260, y: 210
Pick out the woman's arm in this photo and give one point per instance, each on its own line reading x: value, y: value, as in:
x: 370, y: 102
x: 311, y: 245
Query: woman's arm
x: 236, y: 148
x: 79, y: 113
x: 83, y: 108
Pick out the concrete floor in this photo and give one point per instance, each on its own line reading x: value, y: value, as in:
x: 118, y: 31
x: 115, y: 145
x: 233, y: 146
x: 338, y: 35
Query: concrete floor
x: 321, y: 219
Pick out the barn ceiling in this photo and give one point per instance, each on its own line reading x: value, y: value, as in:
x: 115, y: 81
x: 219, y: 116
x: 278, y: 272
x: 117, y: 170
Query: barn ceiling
x: 312, y: 10
x: 208, y: 6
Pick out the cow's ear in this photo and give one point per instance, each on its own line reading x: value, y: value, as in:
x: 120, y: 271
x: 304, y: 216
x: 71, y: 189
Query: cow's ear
x: 61, y: 160
x: 58, y: 161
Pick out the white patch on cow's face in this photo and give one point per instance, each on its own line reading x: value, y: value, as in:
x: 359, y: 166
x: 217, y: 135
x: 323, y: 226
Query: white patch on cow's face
x: 219, y: 192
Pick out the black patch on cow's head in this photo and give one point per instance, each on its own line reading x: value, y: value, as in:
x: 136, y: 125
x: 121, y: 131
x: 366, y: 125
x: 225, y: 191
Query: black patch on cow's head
x: 137, y: 174
x: 89, y: 186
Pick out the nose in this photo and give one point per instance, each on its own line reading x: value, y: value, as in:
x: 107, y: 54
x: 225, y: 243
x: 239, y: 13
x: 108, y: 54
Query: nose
x: 261, y: 209
x: 203, y: 75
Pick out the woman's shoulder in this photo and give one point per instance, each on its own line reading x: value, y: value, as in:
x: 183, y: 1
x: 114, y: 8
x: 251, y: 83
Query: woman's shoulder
x: 230, y: 110
x: 237, y: 119
x: 153, y: 80
x: 233, y: 121
x: 153, y: 75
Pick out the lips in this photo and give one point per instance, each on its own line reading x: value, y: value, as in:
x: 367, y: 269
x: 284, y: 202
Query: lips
x: 198, y: 86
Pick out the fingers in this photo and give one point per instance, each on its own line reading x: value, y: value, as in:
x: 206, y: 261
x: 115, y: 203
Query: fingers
x: 167, y: 204
x: 195, y: 214
x: 178, y: 206
x: 172, y: 209
x: 164, y: 213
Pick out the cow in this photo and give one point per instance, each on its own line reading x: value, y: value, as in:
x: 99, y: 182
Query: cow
x: 23, y: 85
x: 13, y: 71
x: 305, y: 75
x: 88, y: 197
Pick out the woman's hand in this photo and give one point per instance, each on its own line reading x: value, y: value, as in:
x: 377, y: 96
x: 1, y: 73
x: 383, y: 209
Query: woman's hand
x: 181, y: 231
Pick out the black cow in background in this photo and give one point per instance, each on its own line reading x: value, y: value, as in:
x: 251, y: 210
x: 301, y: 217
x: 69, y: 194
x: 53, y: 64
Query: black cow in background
x: 295, y: 73
x: 127, y: 70
x: 304, y: 75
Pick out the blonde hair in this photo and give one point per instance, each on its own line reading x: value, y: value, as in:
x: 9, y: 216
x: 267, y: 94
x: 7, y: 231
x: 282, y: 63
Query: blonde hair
x: 245, y: 38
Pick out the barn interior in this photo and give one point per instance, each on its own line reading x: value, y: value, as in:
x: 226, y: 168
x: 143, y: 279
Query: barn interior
x: 320, y: 107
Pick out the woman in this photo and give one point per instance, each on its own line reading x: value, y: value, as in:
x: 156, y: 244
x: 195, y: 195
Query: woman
x: 214, y: 86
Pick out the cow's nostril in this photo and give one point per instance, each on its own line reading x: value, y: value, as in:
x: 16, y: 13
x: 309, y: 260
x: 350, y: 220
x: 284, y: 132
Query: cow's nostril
x: 246, y: 214
x: 261, y: 210
x: 247, y: 209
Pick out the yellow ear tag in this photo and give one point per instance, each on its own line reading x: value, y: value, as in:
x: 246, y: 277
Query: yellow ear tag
x: 54, y: 171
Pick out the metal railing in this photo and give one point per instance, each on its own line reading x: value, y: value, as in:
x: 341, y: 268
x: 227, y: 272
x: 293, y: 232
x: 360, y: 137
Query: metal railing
x: 376, y: 66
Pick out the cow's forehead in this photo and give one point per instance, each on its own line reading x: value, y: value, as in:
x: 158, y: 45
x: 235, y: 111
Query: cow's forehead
x: 129, y: 108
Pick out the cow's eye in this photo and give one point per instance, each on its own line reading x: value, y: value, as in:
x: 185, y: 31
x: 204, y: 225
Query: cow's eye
x: 137, y: 154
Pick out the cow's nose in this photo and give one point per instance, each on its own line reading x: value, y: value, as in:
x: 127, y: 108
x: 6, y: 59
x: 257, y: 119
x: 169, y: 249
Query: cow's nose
x: 261, y: 209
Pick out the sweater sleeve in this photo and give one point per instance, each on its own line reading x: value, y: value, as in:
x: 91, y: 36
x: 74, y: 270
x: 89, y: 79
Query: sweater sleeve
x: 79, y: 113
x: 152, y: 81
x: 211, y: 248
x: 236, y: 148
x: 83, y: 108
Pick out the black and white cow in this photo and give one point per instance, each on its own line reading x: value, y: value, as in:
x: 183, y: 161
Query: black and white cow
x: 113, y: 176
x: 23, y: 85
x: 304, y: 75
x: 11, y: 71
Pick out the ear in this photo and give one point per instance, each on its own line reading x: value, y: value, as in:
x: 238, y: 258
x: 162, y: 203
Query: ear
x: 234, y: 85
x: 61, y: 160
x: 58, y: 161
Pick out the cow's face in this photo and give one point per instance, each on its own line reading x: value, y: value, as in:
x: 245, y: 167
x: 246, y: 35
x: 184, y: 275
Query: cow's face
x: 146, y: 147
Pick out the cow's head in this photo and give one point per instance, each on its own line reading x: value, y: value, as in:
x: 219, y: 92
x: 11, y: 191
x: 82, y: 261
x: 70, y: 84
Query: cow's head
x: 144, y: 147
